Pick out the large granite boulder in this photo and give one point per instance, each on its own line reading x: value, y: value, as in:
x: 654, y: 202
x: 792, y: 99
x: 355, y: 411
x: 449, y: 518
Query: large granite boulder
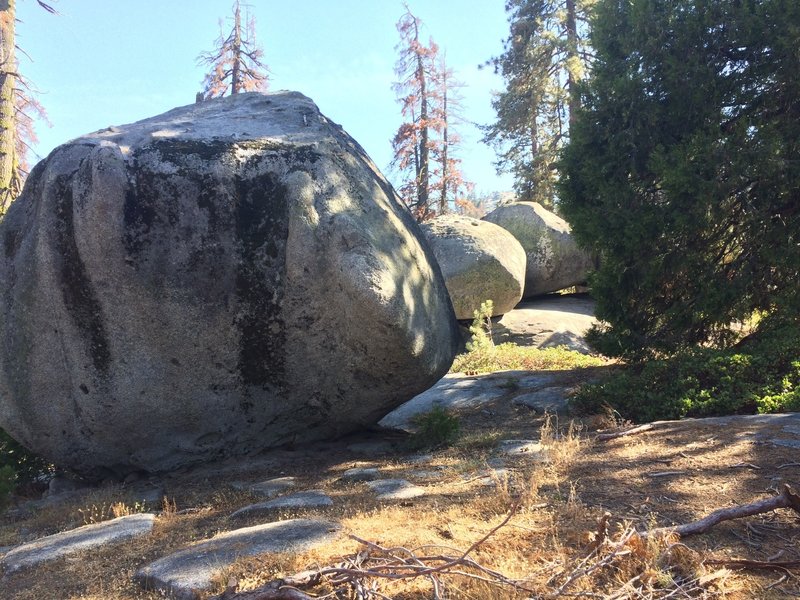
x: 479, y: 260
x: 225, y: 277
x: 554, y: 260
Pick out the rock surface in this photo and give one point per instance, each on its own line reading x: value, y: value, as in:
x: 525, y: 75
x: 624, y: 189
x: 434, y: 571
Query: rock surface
x: 307, y: 499
x: 556, y: 320
x: 554, y: 261
x: 270, y: 487
x: 479, y: 260
x: 76, y: 540
x: 185, y: 573
x: 228, y: 276
x: 395, y: 489
x: 453, y: 392
x: 459, y: 392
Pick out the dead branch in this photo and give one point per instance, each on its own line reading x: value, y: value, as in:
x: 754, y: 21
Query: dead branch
x: 786, y: 499
x: 604, y: 437
x: 666, y: 474
x: 778, y: 565
x: 375, y: 562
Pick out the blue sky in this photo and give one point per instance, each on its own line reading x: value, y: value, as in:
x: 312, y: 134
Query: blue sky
x: 109, y: 62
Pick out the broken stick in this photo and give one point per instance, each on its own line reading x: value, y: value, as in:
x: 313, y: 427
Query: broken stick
x: 786, y: 499
x: 604, y: 437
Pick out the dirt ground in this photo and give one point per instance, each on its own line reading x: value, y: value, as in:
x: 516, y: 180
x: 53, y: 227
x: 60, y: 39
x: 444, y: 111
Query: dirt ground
x: 676, y: 473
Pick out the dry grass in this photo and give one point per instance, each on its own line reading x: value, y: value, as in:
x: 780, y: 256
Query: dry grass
x: 574, y: 532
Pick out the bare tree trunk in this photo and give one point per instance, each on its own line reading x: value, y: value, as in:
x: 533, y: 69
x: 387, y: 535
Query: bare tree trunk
x: 8, y: 68
x: 423, y: 177
x: 236, y: 78
x: 445, y: 142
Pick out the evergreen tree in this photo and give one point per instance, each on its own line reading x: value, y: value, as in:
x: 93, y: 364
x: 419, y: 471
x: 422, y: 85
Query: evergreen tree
x: 546, y: 55
x: 235, y: 62
x: 683, y: 170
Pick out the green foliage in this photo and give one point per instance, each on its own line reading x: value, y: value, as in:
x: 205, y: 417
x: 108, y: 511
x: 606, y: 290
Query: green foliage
x: 436, y: 428
x: 762, y: 374
x: 509, y: 356
x: 545, y: 55
x: 481, y: 329
x: 682, y: 171
x: 26, y: 465
x: 8, y: 481
x: 482, y: 356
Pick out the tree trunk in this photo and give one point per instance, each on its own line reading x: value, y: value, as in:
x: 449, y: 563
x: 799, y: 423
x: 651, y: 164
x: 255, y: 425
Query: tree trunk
x: 445, y: 142
x: 8, y: 69
x: 572, y: 52
x: 423, y: 177
x: 236, y: 77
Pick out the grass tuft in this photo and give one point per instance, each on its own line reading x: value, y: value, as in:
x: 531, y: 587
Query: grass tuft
x: 509, y: 356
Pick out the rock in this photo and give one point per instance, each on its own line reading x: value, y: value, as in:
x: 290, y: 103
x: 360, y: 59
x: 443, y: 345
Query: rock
x: 371, y: 448
x: 557, y: 320
x: 62, y: 485
x: 225, y: 277
x: 150, y: 496
x: 270, y: 487
x: 479, y: 260
x: 360, y: 474
x: 395, y: 489
x: 76, y: 540
x: 524, y: 448
x: 186, y: 573
x: 453, y: 392
x: 309, y: 499
x: 554, y: 261
x: 550, y: 400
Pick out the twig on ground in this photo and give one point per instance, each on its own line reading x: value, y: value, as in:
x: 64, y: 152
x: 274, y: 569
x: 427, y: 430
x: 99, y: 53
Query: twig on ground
x: 666, y: 473
x: 604, y: 437
x: 380, y: 563
x: 786, y: 499
x: 745, y: 465
x: 778, y: 565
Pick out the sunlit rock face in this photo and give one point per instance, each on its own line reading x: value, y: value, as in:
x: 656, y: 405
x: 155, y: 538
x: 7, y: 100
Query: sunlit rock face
x: 225, y: 277
x: 479, y: 260
x: 554, y: 260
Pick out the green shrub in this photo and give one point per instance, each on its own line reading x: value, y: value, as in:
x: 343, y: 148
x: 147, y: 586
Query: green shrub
x: 481, y: 329
x: 8, y: 481
x: 26, y: 466
x: 436, y: 429
x: 761, y: 374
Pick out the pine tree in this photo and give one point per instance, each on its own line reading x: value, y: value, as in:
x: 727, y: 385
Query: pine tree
x: 545, y: 57
x: 235, y: 62
x: 424, y: 145
x: 682, y: 172
x: 17, y: 107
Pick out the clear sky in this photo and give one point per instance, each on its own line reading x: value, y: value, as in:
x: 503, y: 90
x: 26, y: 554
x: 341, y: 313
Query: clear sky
x: 109, y: 62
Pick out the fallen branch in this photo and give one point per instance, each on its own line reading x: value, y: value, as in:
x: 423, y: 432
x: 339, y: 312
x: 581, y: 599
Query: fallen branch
x: 778, y: 565
x: 604, y: 437
x: 786, y: 499
x: 360, y: 572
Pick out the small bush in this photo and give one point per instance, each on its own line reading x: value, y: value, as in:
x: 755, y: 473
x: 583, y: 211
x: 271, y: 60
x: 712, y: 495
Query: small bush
x: 761, y: 374
x: 436, y: 429
x: 8, y: 481
x: 19, y: 468
x: 481, y: 329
